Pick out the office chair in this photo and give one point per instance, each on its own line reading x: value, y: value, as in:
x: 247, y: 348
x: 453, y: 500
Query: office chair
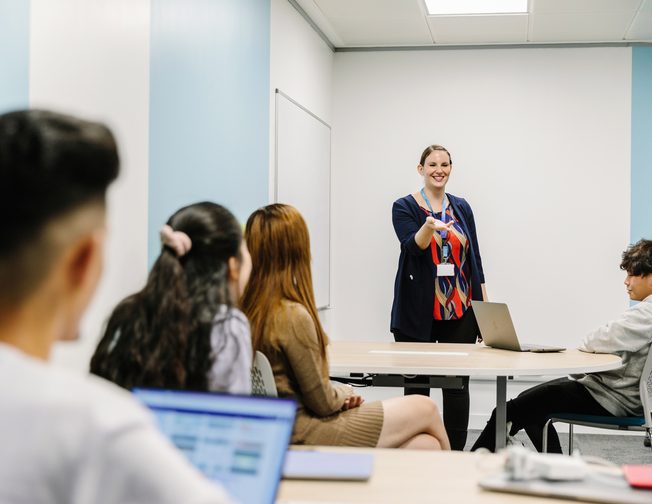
x: 629, y: 423
x: 262, y: 377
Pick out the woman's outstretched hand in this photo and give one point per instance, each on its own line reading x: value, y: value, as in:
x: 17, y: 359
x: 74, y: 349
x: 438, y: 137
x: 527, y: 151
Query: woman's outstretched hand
x: 437, y: 225
x: 423, y: 237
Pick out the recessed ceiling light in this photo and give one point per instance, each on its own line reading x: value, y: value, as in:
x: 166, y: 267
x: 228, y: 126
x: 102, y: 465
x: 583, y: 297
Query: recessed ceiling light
x: 465, y: 7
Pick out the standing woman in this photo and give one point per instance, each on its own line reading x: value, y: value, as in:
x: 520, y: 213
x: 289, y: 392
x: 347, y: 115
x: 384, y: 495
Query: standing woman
x: 439, y: 272
x: 184, y: 330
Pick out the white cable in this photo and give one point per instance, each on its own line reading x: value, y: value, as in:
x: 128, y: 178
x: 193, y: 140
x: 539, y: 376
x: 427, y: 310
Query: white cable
x: 523, y: 464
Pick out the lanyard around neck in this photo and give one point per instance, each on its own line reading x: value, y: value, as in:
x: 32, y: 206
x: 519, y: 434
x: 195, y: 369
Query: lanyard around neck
x: 443, y: 234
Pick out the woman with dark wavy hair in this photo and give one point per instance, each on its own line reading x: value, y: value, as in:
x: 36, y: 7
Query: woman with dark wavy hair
x: 183, y: 329
x: 280, y: 304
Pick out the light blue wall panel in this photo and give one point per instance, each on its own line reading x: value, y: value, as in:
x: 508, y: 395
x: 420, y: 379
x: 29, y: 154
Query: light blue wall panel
x: 641, y: 225
x: 14, y: 54
x: 209, y: 107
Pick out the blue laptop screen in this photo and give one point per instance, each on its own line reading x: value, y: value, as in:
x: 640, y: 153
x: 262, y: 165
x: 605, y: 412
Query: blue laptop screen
x: 238, y: 441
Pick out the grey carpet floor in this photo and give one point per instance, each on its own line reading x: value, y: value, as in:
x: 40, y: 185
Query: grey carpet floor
x: 614, y: 448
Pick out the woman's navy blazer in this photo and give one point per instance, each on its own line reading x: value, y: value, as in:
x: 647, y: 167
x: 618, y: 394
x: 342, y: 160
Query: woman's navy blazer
x: 414, y: 288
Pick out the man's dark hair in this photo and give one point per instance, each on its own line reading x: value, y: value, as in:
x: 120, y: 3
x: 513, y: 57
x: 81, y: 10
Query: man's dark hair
x: 50, y: 164
x: 637, y: 259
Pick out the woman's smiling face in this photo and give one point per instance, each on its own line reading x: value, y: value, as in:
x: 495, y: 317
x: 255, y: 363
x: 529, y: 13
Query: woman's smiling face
x: 436, y: 169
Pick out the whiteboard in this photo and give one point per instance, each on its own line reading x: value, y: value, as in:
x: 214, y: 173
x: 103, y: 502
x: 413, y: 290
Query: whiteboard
x: 303, y: 180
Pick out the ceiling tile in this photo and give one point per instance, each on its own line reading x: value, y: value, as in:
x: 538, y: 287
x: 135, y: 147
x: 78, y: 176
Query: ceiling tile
x: 317, y: 16
x: 583, y: 6
x: 641, y: 27
x: 377, y: 22
x: 479, y: 29
x: 597, y: 27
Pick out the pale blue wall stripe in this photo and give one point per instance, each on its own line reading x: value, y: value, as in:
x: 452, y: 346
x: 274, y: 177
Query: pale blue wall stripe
x: 209, y: 107
x: 14, y: 54
x: 641, y: 224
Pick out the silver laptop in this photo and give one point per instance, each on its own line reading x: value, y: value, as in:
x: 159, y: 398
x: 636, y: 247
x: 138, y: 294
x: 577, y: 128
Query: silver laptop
x: 497, y: 330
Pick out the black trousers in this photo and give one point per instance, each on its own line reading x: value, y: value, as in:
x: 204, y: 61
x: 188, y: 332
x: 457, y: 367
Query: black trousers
x: 456, y: 401
x: 531, y: 409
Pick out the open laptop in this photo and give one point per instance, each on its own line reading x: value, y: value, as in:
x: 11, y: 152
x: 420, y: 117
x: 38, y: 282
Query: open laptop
x: 497, y: 330
x: 239, y: 441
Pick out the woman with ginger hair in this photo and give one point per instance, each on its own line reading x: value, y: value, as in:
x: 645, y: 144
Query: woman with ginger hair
x: 280, y: 305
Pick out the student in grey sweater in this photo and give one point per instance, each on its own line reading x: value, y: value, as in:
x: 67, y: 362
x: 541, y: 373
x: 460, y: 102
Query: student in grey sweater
x: 609, y: 393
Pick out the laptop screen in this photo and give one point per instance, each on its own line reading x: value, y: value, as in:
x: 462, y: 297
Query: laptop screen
x: 239, y: 441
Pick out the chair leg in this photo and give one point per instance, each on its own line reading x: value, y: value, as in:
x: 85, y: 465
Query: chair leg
x: 545, y: 436
x: 648, y: 441
x: 570, y: 439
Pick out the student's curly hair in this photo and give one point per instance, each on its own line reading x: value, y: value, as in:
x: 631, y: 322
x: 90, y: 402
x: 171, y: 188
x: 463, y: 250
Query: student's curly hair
x: 637, y: 259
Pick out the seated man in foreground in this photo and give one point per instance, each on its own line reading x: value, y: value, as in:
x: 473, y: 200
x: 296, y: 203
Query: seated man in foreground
x: 609, y: 393
x: 65, y: 438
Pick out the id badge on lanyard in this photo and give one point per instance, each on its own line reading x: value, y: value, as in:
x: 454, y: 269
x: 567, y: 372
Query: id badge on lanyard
x: 444, y: 268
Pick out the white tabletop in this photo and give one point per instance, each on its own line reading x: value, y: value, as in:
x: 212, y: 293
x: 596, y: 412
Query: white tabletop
x: 448, y: 359
x: 413, y: 477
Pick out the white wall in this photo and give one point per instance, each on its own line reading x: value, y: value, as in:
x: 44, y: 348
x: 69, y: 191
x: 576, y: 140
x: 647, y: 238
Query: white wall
x: 301, y: 65
x: 91, y: 57
x: 540, y: 140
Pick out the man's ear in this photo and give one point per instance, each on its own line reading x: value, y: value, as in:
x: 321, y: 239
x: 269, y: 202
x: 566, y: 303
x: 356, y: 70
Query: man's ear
x: 79, y: 271
x: 83, y: 261
x: 80, y: 259
x: 648, y: 280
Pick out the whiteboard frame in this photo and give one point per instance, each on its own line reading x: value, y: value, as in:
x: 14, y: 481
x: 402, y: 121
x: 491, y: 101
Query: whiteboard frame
x: 278, y: 92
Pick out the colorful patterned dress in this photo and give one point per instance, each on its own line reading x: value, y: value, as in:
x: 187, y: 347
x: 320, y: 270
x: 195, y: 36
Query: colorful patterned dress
x: 452, y: 293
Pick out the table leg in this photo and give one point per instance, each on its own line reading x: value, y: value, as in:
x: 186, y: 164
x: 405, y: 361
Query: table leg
x: 501, y: 412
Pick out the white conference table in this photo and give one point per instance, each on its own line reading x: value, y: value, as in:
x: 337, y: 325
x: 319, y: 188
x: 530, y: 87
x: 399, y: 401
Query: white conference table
x: 456, y: 360
x: 410, y: 476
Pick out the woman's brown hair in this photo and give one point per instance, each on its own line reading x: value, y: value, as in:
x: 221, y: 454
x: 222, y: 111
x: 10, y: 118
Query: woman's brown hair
x: 432, y: 148
x: 279, y: 244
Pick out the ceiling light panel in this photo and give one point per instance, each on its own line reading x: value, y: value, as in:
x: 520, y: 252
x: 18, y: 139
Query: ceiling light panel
x: 470, y: 7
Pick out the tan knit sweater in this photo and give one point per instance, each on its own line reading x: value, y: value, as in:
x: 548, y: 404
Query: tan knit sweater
x: 301, y: 373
